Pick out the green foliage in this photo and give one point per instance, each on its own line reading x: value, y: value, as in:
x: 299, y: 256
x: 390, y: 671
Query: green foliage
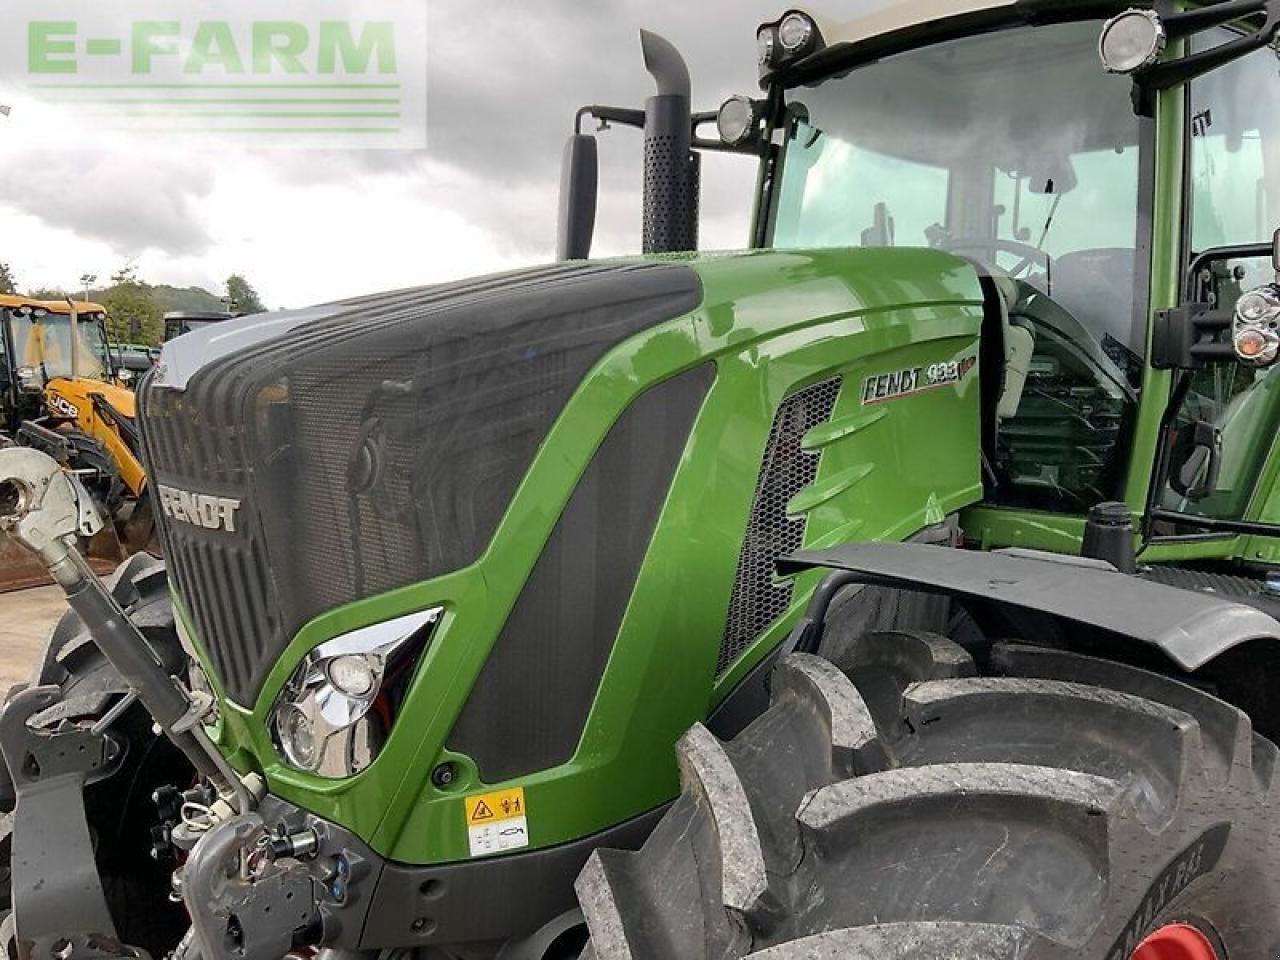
x: 188, y: 299
x: 136, y: 309
x: 47, y: 293
x: 244, y: 299
x: 133, y: 315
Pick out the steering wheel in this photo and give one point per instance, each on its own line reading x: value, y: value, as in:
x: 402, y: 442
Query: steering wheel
x: 1031, y: 256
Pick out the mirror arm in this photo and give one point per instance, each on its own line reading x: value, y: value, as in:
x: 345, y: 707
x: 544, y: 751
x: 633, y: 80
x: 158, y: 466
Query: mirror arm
x: 622, y: 116
x: 1181, y: 338
x: 1170, y: 73
x: 1244, y: 251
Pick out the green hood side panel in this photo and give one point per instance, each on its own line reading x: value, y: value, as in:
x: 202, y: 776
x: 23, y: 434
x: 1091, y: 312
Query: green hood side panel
x: 771, y: 323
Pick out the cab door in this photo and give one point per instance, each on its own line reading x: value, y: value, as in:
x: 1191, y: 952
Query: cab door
x: 1214, y: 491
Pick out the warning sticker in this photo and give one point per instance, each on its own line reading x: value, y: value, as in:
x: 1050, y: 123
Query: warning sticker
x: 496, y: 821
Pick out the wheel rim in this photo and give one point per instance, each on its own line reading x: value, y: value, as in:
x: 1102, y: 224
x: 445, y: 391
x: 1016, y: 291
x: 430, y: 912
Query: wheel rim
x: 1176, y: 941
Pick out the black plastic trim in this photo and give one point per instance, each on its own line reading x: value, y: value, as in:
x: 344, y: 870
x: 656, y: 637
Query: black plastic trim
x: 488, y: 900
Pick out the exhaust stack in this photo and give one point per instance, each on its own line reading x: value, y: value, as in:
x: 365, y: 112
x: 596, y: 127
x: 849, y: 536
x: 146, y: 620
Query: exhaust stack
x: 671, y: 167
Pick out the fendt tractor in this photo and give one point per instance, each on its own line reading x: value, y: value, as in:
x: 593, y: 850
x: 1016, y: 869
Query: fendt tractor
x: 900, y: 587
x: 62, y: 391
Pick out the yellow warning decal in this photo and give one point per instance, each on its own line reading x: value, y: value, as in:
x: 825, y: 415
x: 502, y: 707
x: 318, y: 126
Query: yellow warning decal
x: 492, y: 807
x: 496, y: 822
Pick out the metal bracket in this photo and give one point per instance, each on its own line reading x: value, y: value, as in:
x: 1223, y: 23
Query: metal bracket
x: 239, y: 913
x: 44, y: 505
x: 60, y: 910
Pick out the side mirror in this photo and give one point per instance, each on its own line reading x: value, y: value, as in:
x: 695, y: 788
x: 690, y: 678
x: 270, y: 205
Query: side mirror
x: 579, y: 186
x: 1196, y: 460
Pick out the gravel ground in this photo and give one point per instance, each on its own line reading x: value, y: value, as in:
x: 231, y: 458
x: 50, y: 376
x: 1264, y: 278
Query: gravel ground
x: 26, y: 617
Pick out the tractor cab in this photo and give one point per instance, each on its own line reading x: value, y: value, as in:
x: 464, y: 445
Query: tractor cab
x: 1111, y: 173
x: 1015, y: 150
x: 40, y: 342
x: 1096, y: 190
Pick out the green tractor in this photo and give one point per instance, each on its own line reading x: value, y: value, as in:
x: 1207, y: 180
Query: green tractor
x: 901, y: 587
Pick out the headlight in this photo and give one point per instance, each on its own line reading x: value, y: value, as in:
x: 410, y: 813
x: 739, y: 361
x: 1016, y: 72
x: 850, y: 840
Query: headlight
x: 333, y: 714
x: 1256, y: 334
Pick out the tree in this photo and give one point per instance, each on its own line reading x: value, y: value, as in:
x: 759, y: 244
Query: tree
x: 7, y: 283
x: 47, y: 293
x: 243, y: 298
x: 133, y: 316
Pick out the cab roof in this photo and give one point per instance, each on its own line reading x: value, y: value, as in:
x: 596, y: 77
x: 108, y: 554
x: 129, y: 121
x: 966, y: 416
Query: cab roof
x: 13, y: 301
x: 901, y: 15
x: 902, y: 25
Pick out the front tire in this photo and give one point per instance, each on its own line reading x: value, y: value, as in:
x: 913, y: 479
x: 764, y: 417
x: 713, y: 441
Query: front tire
x: 119, y: 809
x: 1059, y: 806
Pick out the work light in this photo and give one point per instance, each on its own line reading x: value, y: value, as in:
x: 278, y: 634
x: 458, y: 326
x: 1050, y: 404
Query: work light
x: 1131, y: 41
x: 334, y: 713
x: 796, y: 31
x: 766, y: 46
x: 736, y: 120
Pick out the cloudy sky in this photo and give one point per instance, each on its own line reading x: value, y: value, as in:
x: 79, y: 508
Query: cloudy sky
x: 504, y: 78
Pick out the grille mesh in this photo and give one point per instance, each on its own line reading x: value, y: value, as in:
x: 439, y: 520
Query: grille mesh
x: 223, y: 580
x: 758, y: 599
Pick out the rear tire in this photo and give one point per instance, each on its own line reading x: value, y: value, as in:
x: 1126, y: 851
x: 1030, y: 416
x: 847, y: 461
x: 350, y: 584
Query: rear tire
x: 1060, y: 806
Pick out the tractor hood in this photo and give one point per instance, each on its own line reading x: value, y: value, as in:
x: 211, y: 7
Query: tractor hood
x: 310, y: 459
x: 328, y: 454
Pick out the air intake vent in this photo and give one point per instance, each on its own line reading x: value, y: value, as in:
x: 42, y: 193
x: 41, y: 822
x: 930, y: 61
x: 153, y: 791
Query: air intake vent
x: 758, y: 598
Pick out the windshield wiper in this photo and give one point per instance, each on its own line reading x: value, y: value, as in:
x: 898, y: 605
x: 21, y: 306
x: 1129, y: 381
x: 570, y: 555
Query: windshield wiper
x: 1044, y: 235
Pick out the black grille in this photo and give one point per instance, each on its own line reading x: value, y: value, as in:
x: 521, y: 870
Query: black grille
x: 521, y: 716
x: 221, y: 576
x: 758, y: 597
x: 377, y: 446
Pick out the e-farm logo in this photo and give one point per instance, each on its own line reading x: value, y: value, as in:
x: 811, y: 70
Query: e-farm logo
x: 295, y: 75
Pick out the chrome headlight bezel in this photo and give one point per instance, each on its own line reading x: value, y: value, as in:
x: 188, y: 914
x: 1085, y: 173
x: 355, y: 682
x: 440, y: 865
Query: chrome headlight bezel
x: 344, y: 731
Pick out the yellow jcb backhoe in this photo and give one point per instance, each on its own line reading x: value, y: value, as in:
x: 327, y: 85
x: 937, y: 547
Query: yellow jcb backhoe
x: 59, y: 393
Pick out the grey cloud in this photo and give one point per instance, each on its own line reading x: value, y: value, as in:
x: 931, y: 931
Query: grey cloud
x: 504, y: 80
x: 113, y: 197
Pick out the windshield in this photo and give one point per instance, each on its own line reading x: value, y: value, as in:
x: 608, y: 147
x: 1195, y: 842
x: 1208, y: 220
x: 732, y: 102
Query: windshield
x: 42, y: 343
x: 1014, y: 149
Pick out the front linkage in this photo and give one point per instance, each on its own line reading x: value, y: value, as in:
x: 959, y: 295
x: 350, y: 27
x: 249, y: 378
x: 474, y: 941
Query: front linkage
x: 260, y: 876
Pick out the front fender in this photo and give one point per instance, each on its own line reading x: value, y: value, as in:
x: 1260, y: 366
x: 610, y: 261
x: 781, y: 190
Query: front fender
x: 1189, y: 628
